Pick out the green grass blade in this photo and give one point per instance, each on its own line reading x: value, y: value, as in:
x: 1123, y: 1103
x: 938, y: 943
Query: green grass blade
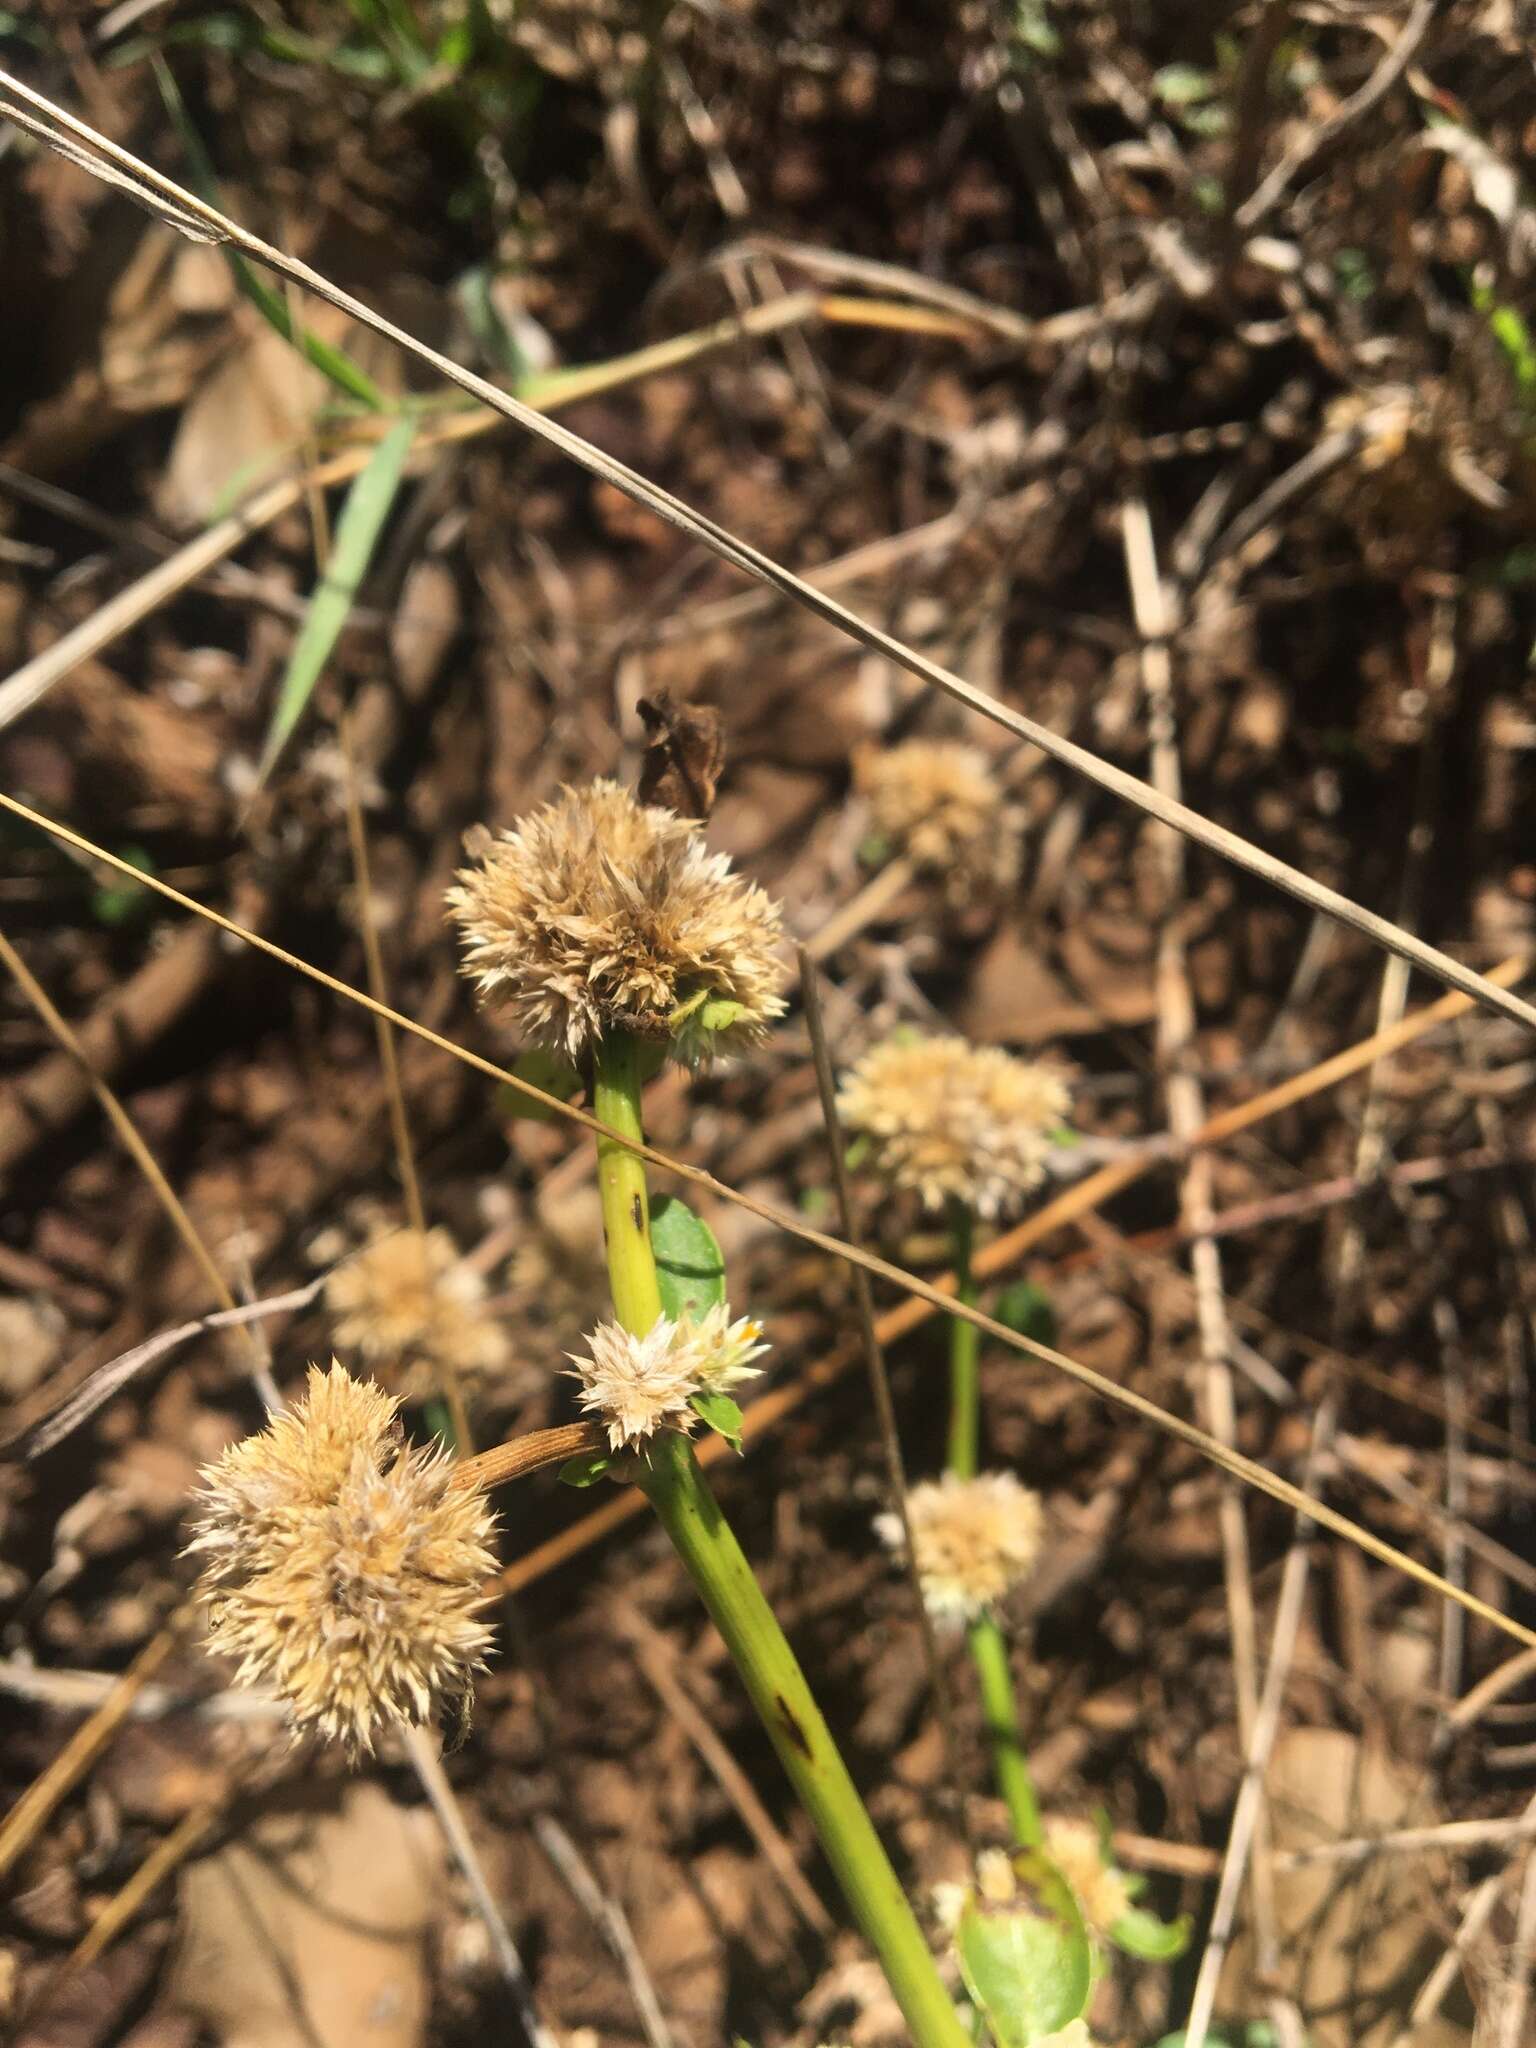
x: 332, y: 362
x: 357, y: 532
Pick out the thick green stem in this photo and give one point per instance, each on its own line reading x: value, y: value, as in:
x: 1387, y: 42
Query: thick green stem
x: 778, y: 1690
x: 621, y: 1185
x: 964, y: 1352
x: 677, y: 1490
x: 989, y: 1648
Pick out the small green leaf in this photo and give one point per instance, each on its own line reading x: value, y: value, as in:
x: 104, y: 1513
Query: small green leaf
x: 1027, y: 1308
x: 1143, y: 1935
x: 719, y: 1013
x: 690, y: 1270
x: 585, y: 1470
x: 330, y: 361
x: 1028, y: 1965
x: 1184, y: 85
x: 875, y: 849
x: 719, y: 1413
x: 362, y: 520
x: 117, y: 903
x: 542, y: 1069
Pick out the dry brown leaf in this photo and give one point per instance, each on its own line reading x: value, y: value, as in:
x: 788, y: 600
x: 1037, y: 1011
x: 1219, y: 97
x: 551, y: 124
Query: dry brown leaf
x: 312, y: 1928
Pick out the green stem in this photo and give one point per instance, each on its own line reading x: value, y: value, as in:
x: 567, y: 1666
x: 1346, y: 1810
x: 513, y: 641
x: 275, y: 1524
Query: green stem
x: 621, y: 1185
x: 784, y: 1703
x: 964, y: 1352
x: 989, y: 1648
x: 687, y: 1509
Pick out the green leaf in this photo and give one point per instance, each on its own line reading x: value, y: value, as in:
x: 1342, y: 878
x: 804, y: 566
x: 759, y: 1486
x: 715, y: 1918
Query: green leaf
x: 585, y: 1470
x: 357, y: 532
x: 330, y: 361
x: 689, y: 1267
x: 1027, y: 1308
x: 116, y: 903
x: 1184, y: 85
x: 1143, y: 1935
x: 719, y: 1013
x: 1027, y: 1965
x: 720, y: 1413
x: 543, y: 1069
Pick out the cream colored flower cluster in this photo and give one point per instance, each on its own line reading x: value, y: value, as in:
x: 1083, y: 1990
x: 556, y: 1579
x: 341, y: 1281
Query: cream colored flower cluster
x: 415, y: 1314
x: 598, y: 913
x: 343, y: 1569
x: 638, y: 1385
x: 974, y: 1540
x: 950, y: 1121
x: 939, y: 803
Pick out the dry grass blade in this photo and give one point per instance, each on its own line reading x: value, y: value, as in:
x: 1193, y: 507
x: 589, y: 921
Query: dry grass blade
x: 1254, y: 1475
x: 29, y: 1815
x: 108, y: 1379
x: 181, y: 207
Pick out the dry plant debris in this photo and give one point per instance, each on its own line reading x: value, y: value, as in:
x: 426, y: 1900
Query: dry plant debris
x: 1270, y: 274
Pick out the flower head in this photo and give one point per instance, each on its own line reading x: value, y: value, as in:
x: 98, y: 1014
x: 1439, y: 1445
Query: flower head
x: 950, y: 1120
x: 939, y: 803
x: 975, y: 1540
x: 641, y: 1384
x: 598, y: 913
x: 1078, y: 1853
x: 342, y: 1568
x: 414, y: 1314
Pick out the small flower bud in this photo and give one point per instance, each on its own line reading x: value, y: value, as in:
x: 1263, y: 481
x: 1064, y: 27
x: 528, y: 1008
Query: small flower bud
x: 1078, y: 1853
x: 641, y: 1384
x: 341, y: 1568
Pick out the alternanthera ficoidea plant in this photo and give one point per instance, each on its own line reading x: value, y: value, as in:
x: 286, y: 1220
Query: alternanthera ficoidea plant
x: 348, y: 1569
x: 968, y: 1131
x: 604, y: 932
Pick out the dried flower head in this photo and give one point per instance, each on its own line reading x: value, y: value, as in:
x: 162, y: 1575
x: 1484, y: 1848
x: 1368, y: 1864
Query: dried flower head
x: 948, y: 1120
x: 1078, y: 1854
x: 343, y: 1569
x: 975, y: 1540
x: 598, y: 913
x: 414, y: 1314
x: 939, y: 803
x: 641, y: 1384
